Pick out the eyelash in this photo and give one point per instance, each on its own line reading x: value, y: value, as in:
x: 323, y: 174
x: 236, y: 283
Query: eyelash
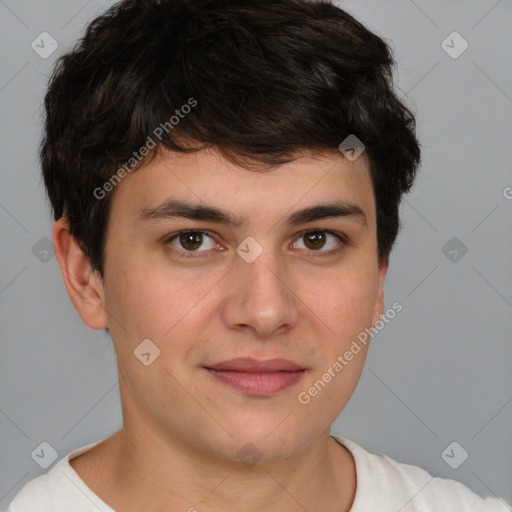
x: 196, y: 254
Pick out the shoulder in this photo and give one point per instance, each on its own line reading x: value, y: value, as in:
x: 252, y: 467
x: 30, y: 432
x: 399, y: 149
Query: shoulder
x: 37, y: 494
x: 384, y: 483
x: 58, y: 490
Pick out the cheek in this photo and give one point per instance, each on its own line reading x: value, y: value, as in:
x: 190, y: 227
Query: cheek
x: 150, y: 302
x: 346, y: 309
x: 346, y: 302
x: 134, y: 302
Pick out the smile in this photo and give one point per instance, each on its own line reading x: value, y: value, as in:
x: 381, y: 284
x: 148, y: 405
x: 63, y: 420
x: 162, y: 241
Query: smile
x: 257, y: 378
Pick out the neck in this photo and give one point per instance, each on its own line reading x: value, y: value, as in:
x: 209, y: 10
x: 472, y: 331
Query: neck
x: 168, y: 473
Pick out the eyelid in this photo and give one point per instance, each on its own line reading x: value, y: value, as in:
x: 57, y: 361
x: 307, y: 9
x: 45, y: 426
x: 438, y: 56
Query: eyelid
x: 342, y: 238
x: 187, y: 254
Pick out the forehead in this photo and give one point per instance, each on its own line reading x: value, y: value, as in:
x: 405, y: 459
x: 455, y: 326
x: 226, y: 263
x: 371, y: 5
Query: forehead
x: 206, y: 177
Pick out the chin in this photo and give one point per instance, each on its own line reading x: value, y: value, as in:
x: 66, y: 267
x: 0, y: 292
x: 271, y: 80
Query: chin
x: 258, y: 441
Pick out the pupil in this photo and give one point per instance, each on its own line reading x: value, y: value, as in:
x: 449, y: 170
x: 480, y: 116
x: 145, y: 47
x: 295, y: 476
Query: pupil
x: 191, y: 241
x: 318, y: 239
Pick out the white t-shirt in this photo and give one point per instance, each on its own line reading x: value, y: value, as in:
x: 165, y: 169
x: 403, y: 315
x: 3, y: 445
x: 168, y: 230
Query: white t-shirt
x: 383, y: 485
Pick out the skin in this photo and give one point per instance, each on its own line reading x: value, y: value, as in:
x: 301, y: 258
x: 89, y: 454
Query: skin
x: 182, y: 428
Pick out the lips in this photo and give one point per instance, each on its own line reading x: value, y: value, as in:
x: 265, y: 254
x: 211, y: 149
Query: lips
x: 256, y: 377
x: 257, y: 366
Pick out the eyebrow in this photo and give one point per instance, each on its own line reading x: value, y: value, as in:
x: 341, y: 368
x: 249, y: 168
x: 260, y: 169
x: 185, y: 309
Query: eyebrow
x: 173, y: 208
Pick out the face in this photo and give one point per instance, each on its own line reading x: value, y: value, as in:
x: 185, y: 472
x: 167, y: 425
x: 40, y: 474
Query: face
x: 249, y: 285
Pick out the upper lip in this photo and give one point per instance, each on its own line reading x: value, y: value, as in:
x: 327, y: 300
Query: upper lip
x: 247, y: 364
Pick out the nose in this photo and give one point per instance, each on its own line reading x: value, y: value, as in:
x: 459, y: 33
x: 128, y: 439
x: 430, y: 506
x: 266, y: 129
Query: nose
x: 260, y: 297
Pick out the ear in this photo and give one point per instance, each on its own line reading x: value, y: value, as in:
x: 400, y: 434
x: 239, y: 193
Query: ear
x: 379, y: 302
x: 83, y: 284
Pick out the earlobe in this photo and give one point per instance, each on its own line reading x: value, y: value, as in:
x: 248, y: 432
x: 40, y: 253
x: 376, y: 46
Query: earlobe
x: 83, y: 284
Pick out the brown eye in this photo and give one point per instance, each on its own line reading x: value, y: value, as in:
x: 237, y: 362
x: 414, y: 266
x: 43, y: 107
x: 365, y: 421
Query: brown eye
x: 321, y: 241
x: 191, y: 241
x: 315, y: 240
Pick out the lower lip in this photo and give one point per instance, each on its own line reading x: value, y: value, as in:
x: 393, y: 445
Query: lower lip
x: 258, y: 384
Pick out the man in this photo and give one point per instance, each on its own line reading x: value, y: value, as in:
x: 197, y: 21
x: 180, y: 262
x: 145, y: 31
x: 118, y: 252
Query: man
x: 225, y: 178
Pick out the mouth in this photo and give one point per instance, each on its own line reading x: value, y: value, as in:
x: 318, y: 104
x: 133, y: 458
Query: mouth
x: 256, y: 377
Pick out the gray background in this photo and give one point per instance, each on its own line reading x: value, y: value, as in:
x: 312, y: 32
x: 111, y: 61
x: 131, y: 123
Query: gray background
x: 438, y: 373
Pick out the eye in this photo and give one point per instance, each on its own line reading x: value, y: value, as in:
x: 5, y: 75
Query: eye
x: 317, y: 239
x: 190, y: 241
